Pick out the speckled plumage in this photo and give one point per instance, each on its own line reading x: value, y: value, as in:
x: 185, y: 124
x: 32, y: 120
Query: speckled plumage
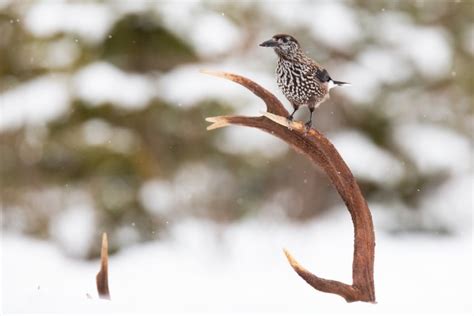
x: 302, y: 80
x: 298, y: 83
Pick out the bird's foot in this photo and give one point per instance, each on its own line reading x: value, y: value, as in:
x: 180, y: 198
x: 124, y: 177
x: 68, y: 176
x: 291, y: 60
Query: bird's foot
x: 307, y: 126
x: 289, y: 120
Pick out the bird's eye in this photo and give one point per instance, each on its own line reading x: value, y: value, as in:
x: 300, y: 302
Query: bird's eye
x: 284, y: 39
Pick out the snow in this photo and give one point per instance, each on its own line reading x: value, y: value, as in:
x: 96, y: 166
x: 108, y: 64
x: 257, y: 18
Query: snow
x: 60, y: 54
x: 101, y: 82
x: 188, y: 190
x: 193, y: 182
x: 367, y: 160
x: 128, y: 235
x: 34, y: 102
x: 335, y: 24
x: 182, y: 11
x: 207, y: 268
x: 203, y: 87
x: 131, y: 7
x: 199, y: 87
x: 424, y: 46
x: 213, y: 34
x: 428, y: 46
x: 331, y: 22
x: 366, y: 85
x: 97, y: 132
x: 156, y: 196
x: 208, y: 31
x: 373, y: 68
x: 90, y: 21
x: 73, y: 228
x: 451, y: 205
x: 248, y: 141
x: 434, y: 148
x: 5, y: 3
x: 384, y: 64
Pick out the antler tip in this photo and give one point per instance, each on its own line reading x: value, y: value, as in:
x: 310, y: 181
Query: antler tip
x: 290, y: 258
x: 217, y: 122
x: 213, y: 73
x: 105, y: 244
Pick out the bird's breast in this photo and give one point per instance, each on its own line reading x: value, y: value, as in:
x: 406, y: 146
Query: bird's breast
x: 298, y: 82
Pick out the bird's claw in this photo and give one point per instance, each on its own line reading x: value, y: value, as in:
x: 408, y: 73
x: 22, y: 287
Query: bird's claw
x: 289, y: 120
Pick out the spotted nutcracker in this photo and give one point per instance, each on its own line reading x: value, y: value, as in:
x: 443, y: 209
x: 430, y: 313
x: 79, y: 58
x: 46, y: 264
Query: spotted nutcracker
x: 302, y: 80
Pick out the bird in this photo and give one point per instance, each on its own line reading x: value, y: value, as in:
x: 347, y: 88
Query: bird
x: 302, y: 80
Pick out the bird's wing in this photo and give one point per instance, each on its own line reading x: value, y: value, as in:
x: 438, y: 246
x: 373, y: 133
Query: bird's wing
x: 322, y: 74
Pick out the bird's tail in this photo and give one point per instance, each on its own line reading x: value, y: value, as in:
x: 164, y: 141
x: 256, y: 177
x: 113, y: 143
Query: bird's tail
x: 335, y: 83
x: 341, y: 83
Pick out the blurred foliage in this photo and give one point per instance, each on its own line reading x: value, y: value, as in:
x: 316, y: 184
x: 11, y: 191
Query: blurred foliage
x: 136, y: 41
x: 162, y: 138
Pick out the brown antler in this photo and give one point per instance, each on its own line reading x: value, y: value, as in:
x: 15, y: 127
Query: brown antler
x: 322, y: 152
x: 102, y: 278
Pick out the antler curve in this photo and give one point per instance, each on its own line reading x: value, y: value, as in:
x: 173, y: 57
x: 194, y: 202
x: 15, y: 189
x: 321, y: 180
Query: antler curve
x: 322, y: 152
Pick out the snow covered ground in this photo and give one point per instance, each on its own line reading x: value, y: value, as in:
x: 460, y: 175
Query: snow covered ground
x: 240, y: 269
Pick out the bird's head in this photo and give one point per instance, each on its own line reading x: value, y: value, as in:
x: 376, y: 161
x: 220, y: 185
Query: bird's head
x: 284, y: 45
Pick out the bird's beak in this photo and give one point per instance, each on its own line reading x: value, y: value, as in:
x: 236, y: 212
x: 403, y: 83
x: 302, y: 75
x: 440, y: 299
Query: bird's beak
x: 269, y: 43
